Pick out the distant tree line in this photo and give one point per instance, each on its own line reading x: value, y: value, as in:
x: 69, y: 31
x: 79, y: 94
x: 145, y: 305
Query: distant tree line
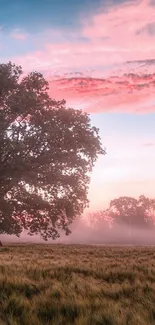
x: 131, y: 215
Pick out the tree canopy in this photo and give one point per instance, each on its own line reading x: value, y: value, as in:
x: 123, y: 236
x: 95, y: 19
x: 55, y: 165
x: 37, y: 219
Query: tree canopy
x: 47, y: 152
x: 137, y: 213
x: 128, y: 211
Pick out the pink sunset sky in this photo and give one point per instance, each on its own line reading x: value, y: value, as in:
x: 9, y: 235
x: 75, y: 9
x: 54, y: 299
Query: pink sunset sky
x: 104, y: 65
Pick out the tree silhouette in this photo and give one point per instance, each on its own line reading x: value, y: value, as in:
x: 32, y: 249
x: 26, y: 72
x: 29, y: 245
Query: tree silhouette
x: 136, y: 213
x: 101, y: 218
x: 47, y: 152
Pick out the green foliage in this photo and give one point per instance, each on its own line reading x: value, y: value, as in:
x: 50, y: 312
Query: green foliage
x: 47, y: 152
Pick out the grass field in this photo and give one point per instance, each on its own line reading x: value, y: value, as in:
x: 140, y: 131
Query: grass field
x: 77, y: 284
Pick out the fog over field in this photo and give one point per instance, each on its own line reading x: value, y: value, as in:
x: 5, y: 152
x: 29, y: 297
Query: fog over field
x: 83, y: 233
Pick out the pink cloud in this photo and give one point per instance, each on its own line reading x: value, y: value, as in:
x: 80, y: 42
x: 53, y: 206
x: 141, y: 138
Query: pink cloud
x: 120, y: 26
x: 129, y: 92
x: 18, y: 35
x: 118, y: 34
x: 114, y: 38
x: 149, y: 144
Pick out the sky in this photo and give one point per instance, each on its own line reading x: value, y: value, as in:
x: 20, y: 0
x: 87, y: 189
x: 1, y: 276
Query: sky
x: 98, y: 55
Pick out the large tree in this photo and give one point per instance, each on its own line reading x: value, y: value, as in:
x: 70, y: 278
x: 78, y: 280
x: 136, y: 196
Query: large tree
x: 47, y: 152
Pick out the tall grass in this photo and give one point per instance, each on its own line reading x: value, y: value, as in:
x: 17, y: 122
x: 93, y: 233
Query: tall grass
x: 81, y: 285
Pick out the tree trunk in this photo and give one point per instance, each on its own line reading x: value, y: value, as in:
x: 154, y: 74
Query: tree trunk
x: 1, y: 244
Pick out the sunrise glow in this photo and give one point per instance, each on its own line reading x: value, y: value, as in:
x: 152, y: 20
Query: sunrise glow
x: 99, y: 57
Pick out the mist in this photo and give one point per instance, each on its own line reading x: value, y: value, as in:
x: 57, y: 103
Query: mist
x: 84, y: 232
x: 105, y: 235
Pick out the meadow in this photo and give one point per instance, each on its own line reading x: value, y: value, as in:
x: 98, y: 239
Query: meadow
x: 77, y: 284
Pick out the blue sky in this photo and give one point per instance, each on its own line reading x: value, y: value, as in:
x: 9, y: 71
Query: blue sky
x: 36, y: 15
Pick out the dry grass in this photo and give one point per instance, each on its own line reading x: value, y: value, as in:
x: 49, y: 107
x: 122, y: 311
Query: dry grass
x: 81, y: 285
